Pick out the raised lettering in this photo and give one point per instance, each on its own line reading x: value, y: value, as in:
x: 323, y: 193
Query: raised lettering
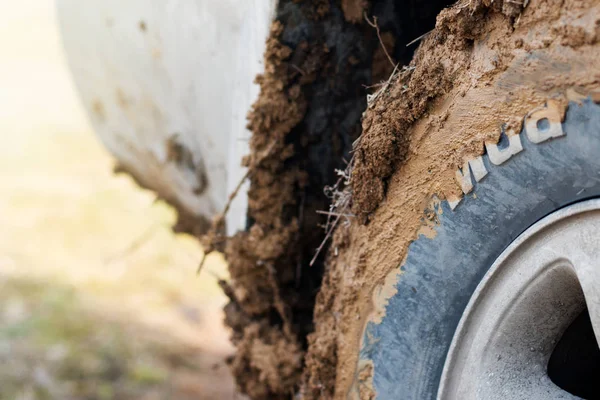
x: 453, y: 202
x: 477, y: 167
x: 497, y: 156
x: 544, y: 123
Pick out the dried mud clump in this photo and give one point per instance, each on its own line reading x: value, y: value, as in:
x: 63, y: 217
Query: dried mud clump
x: 320, y: 63
x: 255, y: 255
x: 384, y: 142
x: 308, y: 113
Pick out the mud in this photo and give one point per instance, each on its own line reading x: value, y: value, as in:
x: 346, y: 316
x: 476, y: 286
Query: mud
x: 303, y: 123
x: 485, y: 66
x: 320, y: 63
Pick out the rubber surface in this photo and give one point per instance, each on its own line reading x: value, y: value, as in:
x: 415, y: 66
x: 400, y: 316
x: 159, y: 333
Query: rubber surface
x: 408, y: 348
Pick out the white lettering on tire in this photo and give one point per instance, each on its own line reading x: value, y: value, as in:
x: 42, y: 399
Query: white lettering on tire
x: 541, y: 124
x: 544, y: 123
x: 477, y: 168
x: 499, y: 157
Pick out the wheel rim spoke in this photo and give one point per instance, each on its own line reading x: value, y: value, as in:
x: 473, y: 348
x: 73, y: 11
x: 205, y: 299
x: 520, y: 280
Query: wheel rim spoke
x: 530, y: 296
x: 587, y: 267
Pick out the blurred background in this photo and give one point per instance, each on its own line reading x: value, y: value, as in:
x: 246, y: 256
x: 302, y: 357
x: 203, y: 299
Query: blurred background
x: 98, y: 298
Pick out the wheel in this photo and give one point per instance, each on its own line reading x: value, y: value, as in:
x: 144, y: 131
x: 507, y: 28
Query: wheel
x: 480, y: 307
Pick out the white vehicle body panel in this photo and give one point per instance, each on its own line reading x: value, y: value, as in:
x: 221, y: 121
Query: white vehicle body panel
x: 167, y: 85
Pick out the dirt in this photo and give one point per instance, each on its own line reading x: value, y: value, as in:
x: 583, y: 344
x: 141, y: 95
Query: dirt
x: 320, y: 63
x: 252, y: 255
x: 485, y: 66
x: 303, y: 123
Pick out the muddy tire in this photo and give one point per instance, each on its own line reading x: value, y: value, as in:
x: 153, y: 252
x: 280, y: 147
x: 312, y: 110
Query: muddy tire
x: 458, y: 157
x: 408, y: 348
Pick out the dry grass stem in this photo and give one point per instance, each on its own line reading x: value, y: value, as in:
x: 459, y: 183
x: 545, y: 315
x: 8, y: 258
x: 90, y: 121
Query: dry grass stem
x: 376, y: 26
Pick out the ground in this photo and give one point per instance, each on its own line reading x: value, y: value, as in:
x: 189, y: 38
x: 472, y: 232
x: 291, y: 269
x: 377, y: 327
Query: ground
x: 98, y: 298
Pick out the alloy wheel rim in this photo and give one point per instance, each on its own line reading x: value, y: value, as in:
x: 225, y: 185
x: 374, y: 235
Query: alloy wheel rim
x: 532, y: 293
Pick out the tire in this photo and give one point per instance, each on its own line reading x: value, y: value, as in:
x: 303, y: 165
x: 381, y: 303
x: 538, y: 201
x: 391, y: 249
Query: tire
x: 408, y: 348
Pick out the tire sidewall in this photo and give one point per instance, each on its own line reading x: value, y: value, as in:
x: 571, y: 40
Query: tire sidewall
x: 408, y: 348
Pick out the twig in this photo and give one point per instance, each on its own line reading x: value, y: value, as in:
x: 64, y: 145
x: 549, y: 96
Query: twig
x: 335, y: 214
x: 376, y: 26
x: 218, y: 221
x: 297, y: 68
x: 329, y: 232
x: 373, y: 85
x: 202, y: 262
x: 340, y: 202
x: 373, y: 97
x: 234, y: 194
x: 419, y: 38
x: 205, y: 254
